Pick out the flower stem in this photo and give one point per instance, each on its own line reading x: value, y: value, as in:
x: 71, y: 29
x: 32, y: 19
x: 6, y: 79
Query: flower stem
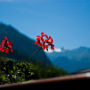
x: 35, y: 53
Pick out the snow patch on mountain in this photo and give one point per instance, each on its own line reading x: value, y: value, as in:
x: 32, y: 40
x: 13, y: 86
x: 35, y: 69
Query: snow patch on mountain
x: 58, y: 50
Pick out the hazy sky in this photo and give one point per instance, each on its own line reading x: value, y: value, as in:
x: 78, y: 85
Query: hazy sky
x: 67, y: 21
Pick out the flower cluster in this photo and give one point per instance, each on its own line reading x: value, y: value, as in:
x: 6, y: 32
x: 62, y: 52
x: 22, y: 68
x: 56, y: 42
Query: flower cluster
x: 44, y: 41
x: 6, y: 46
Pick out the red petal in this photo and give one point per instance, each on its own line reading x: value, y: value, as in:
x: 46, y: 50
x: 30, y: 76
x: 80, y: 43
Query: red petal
x: 10, y: 46
x: 46, y: 46
x: 42, y: 33
x: 52, y: 47
x: 6, y: 50
x: 11, y: 43
x: 43, y: 48
x: 49, y: 43
x: 45, y: 40
x: 7, y: 43
x: 36, y: 43
x: 46, y: 36
x: 38, y: 39
x: 50, y: 38
x: 5, y: 38
x: 11, y: 50
x: 38, y: 36
x: 42, y: 39
x: 40, y: 44
x: 2, y: 50
x: 3, y: 42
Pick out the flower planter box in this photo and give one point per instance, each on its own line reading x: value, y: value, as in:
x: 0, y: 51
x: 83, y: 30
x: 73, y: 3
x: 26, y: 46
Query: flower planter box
x: 57, y: 82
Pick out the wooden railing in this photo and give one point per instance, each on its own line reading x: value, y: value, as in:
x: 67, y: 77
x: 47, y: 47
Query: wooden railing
x: 57, y: 82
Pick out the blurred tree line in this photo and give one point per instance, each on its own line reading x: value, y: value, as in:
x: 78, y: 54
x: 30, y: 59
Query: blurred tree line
x: 12, y: 72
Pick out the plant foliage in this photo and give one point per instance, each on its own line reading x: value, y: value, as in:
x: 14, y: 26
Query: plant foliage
x: 11, y: 72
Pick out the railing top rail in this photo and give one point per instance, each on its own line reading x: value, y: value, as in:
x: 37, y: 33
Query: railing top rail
x: 49, y: 80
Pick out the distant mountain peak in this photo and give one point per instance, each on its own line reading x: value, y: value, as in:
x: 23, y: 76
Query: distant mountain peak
x: 72, y: 60
x: 64, y: 49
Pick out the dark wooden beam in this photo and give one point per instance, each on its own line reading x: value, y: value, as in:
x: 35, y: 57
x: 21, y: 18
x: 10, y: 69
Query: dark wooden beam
x: 57, y: 82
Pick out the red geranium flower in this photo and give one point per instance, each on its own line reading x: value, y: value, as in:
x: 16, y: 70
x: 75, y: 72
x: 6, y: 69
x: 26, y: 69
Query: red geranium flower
x: 50, y: 42
x: 6, y: 46
x: 44, y: 41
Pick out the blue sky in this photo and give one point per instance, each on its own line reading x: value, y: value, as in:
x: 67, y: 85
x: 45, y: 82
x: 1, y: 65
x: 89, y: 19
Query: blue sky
x: 67, y: 21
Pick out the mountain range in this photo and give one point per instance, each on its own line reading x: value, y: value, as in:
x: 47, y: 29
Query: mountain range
x: 23, y: 46
x: 71, y: 60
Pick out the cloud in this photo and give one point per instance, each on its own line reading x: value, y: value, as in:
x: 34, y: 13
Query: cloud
x: 58, y: 50
x: 49, y: 51
x: 6, y: 0
x: 55, y: 50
